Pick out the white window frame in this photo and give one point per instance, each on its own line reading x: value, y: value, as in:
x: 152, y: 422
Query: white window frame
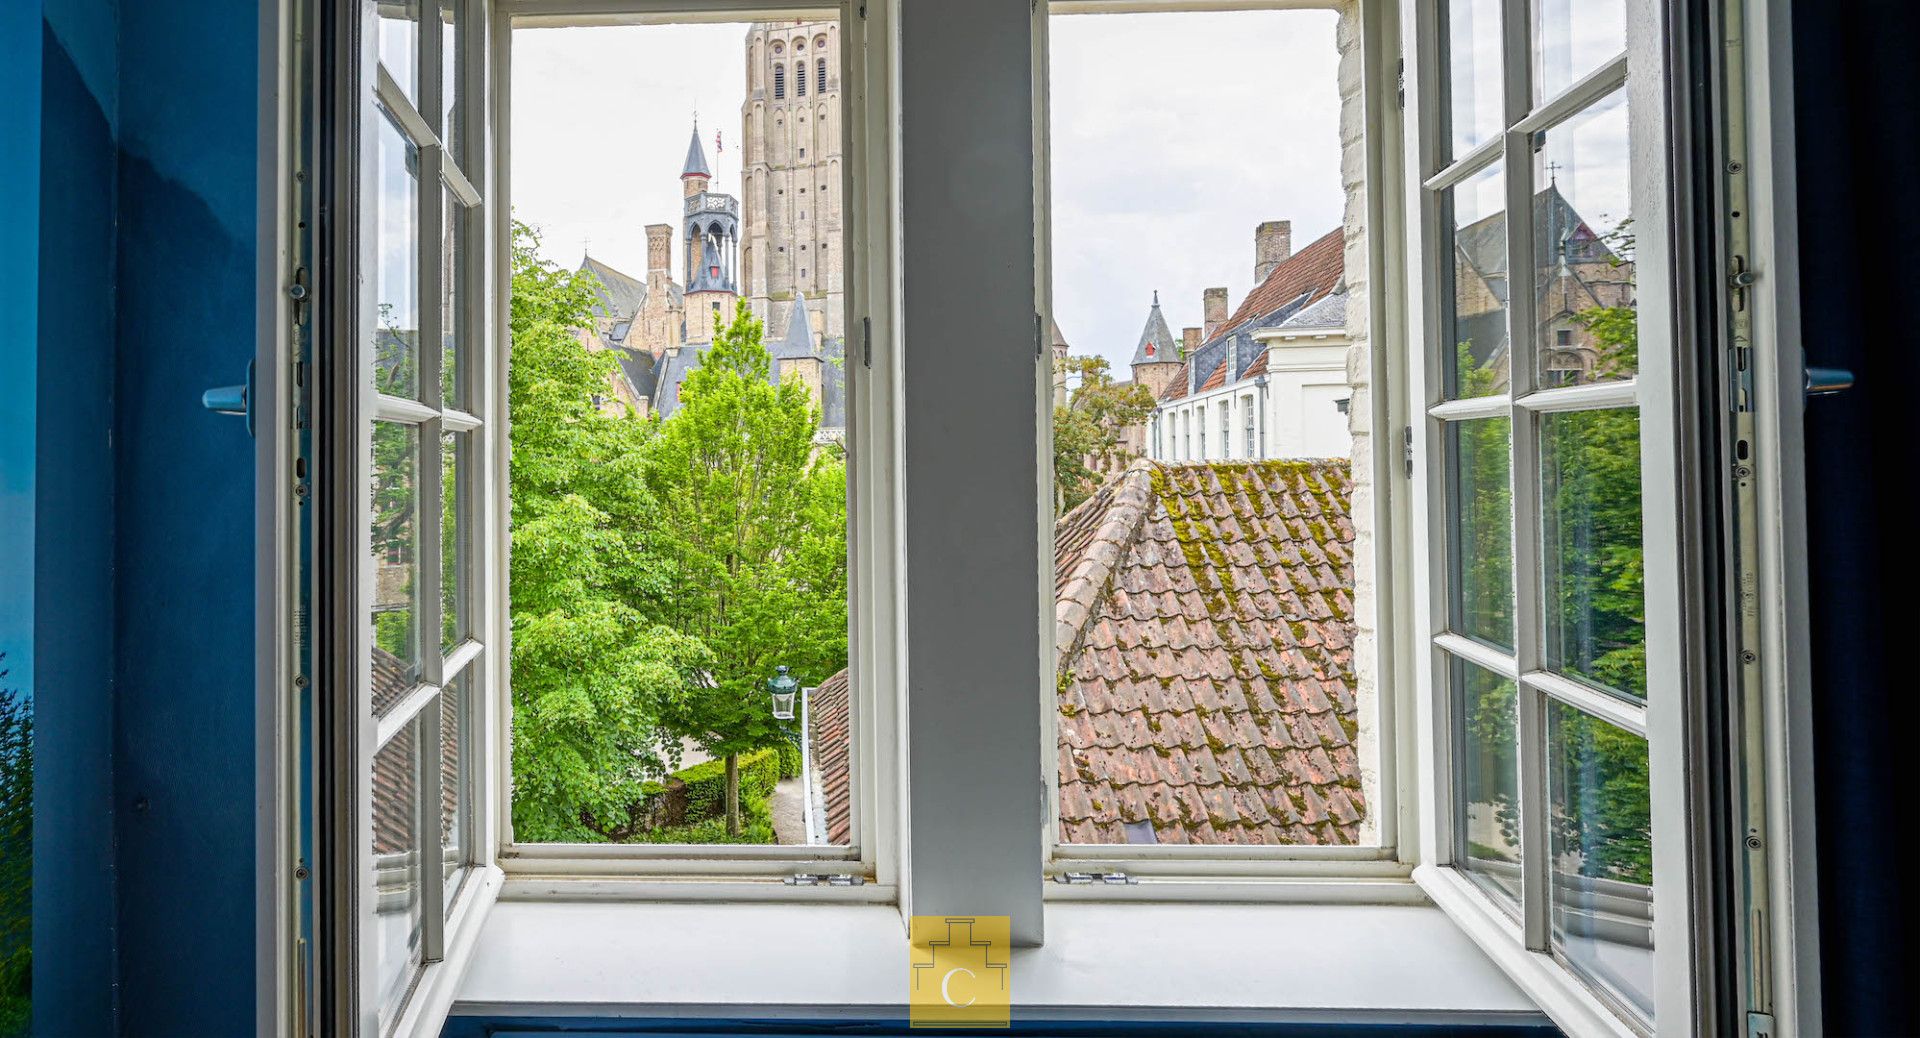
x: 563, y: 871
x: 1380, y: 870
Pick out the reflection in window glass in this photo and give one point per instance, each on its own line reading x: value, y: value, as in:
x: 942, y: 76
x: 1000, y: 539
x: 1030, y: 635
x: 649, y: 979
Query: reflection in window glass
x: 456, y: 537
x: 396, y: 263
x: 1476, y: 307
x: 1601, y: 825
x: 1474, y: 105
x: 1586, y: 329
x: 454, y: 252
x: 16, y: 837
x: 450, y: 18
x: 398, y: 35
x: 454, y: 702
x: 1571, y: 38
x: 1590, y: 511
x: 1487, y: 781
x: 394, y: 941
x: 1482, y: 533
x: 396, y: 588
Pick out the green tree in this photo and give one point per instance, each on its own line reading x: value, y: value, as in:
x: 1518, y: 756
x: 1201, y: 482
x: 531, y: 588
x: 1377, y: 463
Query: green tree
x: 16, y: 856
x: 1087, y: 431
x: 756, y: 512
x: 592, y: 665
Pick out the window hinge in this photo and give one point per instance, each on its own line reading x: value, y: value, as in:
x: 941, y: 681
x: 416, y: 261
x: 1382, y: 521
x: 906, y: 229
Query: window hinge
x: 1406, y: 448
x: 866, y: 341
x: 1110, y: 879
x: 824, y: 879
x: 1759, y: 1025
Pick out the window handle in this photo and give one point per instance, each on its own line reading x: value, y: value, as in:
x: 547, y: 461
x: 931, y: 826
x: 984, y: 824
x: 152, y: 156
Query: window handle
x: 1827, y: 381
x: 237, y: 400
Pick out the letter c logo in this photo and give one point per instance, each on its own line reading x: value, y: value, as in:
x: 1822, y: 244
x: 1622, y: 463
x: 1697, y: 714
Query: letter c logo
x: 947, y: 995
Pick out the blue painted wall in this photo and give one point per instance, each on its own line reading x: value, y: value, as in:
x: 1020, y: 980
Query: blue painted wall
x: 142, y: 534
x: 74, y: 899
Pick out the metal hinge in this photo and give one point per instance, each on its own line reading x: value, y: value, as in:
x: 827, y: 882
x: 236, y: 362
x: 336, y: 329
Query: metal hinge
x: 866, y: 341
x: 1406, y: 448
x: 824, y: 879
x: 1111, y: 879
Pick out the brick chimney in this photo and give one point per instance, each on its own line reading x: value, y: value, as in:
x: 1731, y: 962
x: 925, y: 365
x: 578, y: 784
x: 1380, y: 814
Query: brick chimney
x: 659, y: 247
x: 1213, y: 309
x: 1272, y: 244
x: 1189, y: 341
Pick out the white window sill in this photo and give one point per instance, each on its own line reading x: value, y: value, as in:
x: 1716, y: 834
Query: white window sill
x: 1357, y: 963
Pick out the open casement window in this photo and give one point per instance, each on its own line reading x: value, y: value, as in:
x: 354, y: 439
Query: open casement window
x: 399, y: 551
x: 1545, y: 267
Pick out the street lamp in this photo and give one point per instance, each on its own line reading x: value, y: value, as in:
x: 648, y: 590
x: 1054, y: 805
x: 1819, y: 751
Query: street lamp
x: 783, y: 689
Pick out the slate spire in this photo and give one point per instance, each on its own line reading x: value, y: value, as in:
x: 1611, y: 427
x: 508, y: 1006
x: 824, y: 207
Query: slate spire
x: 1156, y: 344
x: 696, y: 157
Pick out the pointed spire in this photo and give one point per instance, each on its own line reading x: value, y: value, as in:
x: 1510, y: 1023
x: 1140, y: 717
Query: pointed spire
x: 1156, y: 339
x: 696, y: 157
x: 799, y: 338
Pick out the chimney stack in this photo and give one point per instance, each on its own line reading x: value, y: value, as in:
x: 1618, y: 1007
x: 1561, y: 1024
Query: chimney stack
x: 1272, y: 244
x: 1189, y: 341
x: 1213, y: 308
x: 659, y: 247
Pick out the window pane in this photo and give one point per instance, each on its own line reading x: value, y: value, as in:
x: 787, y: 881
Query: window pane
x: 398, y: 35
x: 395, y: 943
x: 450, y: 19
x: 1590, y: 512
x: 1486, y: 820
x: 1482, y: 529
x: 456, y: 539
x: 1572, y: 38
x: 396, y: 263
x: 454, y: 257
x: 1475, y: 320
x: 454, y: 703
x: 396, y: 591
x: 1472, y: 58
x: 1602, y: 834
x: 1583, y: 248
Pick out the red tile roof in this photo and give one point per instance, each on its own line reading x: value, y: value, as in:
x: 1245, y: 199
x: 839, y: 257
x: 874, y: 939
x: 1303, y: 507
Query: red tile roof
x: 1313, y: 272
x: 832, y: 741
x: 1206, y: 657
x: 1177, y: 385
x: 1205, y: 637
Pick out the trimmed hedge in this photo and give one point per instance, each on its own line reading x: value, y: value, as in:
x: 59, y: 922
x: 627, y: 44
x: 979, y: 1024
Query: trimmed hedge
x: 706, y: 784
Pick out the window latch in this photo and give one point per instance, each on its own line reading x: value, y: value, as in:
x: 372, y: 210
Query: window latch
x: 825, y: 879
x: 1115, y: 878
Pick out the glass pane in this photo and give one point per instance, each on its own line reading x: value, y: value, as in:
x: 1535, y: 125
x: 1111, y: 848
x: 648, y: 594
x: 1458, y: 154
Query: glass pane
x: 395, y: 937
x: 396, y: 263
x: 1586, y: 328
x: 1474, y: 106
x: 1482, y: 529
x: 1572, y: 38
x: 396, y: 602
x: 450, y: 19
x: 1487, y: 781
x: 453, y: 326
x: 1476, y: 306
x: 453, y: 789
x: 456, y: 536
x: 1590, y: 514
x: 1602, y: 835
x: 399, y: 40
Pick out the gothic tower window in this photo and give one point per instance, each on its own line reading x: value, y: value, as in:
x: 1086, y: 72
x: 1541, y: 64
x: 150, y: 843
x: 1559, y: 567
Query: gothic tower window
x: 822, y: 66
x: 799, y: 77
x: 779, y: 82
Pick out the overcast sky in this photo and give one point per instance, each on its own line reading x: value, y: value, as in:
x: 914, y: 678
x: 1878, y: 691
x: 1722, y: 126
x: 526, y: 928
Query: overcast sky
x: 1173, y: 136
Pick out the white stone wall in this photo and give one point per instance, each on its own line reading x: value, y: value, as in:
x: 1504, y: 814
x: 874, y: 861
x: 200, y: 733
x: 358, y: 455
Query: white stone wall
x: 1353, y: 180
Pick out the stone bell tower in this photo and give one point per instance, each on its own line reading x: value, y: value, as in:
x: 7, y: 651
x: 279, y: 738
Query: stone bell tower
x: 790, y: 174
x: 712, y: 236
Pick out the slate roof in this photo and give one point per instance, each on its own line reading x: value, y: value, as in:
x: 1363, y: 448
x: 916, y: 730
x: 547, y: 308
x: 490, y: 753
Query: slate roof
x: 1157, y: 343
x: 1205, y: 670
x: 1206, y: 657
x: 830, y: 716
x: 639, y: 367
x: 696, y: 165
x: 619, y: 296
x: 671, y: 371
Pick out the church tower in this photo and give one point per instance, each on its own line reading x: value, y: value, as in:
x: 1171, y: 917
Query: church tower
x: 712, y: 226
x: 1155, y: 357
x: 790, y: 176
